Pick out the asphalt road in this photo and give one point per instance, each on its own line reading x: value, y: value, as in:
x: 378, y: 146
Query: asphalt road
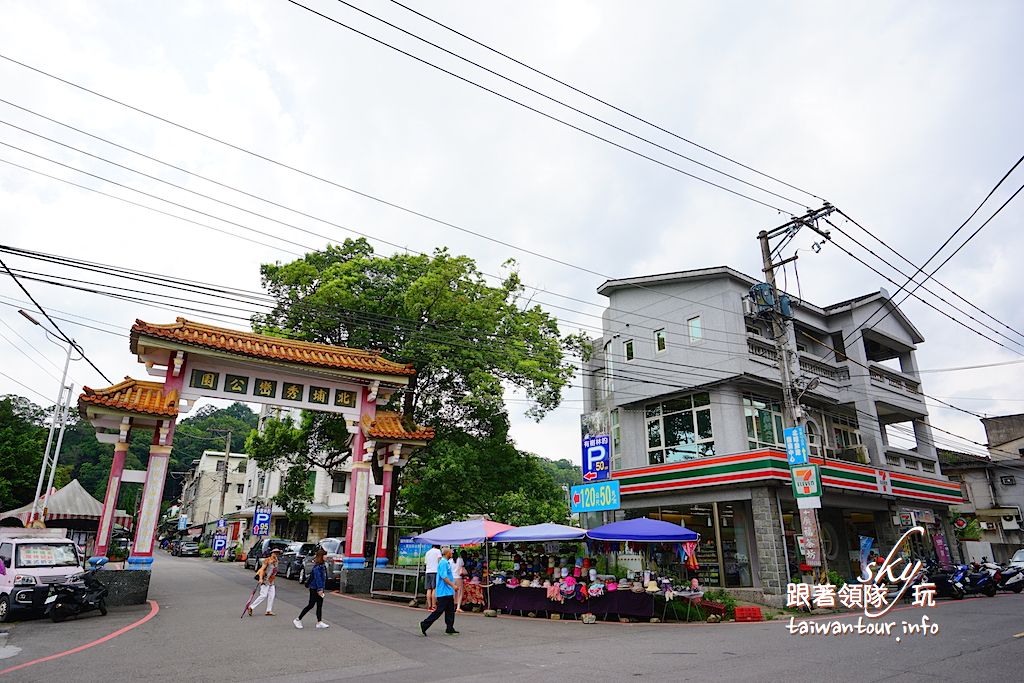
x: 197, y: 635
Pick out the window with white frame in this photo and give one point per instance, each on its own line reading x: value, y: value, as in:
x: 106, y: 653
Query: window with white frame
x: 627, y: 349
x: 679, y: 429
x: 660, y: 340
x: 764, y: 422
x: 693, y: 327
x: 616, y: 441
x: 845, y: 433
x: 814, y: 442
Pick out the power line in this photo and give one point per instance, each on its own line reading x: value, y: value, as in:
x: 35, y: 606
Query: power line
x: 341, y: 186
x: 606, y: 103
x: 54, y: 323
x: 24, y: 386
x: 536, y: 111
x: 560, y: 102
x: 945, y: 243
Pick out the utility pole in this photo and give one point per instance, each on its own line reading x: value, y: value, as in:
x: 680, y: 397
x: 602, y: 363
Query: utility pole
x: 227, y: 459
x: 793, y: 414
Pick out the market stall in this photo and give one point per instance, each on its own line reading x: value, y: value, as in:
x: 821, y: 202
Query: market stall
x: 469, y: 533
x: 642, y: 534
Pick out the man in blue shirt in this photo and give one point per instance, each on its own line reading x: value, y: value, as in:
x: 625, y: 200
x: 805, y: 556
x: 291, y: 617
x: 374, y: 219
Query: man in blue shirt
x: 445, y: 596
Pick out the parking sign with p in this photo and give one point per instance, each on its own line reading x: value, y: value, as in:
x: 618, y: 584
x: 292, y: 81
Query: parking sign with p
x: 596, y: 458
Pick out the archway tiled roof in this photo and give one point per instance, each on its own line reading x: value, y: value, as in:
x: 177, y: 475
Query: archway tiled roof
x: 269, y: 348
x: 134, y: 396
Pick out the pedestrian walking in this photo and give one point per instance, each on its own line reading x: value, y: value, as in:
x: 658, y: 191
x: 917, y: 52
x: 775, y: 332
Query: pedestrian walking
x: 266, y: 575
x: 445, y: 597
x: 431, y: 559
x: 316, y: 585
x: 459, y: 572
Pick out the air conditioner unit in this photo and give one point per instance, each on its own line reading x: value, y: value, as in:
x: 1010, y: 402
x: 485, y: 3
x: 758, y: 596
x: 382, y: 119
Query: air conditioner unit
x: 749, y: 308
x: 1010, y: 522
x: 987, y: 525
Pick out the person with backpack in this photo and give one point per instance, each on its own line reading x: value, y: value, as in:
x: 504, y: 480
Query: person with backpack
x: 316, y: 583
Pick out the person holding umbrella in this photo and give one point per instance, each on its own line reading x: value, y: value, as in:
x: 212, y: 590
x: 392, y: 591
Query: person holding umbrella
x: 266, y: 576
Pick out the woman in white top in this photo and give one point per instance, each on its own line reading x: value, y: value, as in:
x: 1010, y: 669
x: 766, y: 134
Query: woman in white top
x: 458, y: 571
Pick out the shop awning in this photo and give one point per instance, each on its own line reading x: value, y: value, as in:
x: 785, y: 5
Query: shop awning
x: 463, y: 533
x: 643, y: 530
x: 541, y: 532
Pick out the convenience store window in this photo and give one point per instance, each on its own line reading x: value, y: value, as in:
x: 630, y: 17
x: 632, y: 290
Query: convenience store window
x: 724, y: 549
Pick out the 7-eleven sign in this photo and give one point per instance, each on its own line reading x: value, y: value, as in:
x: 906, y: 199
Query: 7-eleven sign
x: 806, y: 481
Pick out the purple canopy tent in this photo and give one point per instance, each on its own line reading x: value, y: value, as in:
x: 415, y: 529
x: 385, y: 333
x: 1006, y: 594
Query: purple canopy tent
x: 643, y: 530
x: 539, y: 533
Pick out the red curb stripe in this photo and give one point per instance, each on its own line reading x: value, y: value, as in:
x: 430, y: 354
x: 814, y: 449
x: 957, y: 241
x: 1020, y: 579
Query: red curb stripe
x: 153, y: 609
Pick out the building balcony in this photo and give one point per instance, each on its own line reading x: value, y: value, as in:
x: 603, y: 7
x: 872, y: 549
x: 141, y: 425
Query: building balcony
x: 893, y: 380
x: 824, y: 370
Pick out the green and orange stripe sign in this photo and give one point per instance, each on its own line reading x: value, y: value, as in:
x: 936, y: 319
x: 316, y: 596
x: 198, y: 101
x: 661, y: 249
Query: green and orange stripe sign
x: 769, y: 465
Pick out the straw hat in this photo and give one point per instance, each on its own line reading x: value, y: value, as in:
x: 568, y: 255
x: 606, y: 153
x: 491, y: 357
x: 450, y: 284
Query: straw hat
x: 637, y: 587
x: 652, y: 587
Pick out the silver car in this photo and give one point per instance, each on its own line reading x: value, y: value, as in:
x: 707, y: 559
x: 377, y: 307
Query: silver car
x: 335, y: 548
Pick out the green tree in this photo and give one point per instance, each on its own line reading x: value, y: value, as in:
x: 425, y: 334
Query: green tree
x: 466, y: 475
x: 564, y: 472
x: 468, y: 341
x: 22, y: 439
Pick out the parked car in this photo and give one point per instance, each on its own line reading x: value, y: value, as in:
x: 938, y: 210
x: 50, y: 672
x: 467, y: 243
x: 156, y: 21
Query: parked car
x: 334, y: 547
x: 35, y: 559
x: 262, y: 548
x: 187, y: 549
x: 1018, y: 559
x: 292, y: 557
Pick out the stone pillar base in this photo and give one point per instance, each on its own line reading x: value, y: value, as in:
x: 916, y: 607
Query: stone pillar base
x: 355, y: 581
x: 125, y: 587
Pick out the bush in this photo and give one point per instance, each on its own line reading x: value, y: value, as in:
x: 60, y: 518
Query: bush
x: 836, y: 579
x: 725, y: 598
x: 205, y: 552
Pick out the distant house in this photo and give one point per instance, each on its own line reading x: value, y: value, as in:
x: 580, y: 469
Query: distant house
x: 990, y: 519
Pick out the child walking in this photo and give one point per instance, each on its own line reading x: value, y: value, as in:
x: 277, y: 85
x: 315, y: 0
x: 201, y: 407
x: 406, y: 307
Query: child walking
x: 317, y: 584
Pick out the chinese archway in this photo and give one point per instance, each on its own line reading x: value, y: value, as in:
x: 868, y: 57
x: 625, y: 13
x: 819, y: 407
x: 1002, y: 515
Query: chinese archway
x: 194, y: 360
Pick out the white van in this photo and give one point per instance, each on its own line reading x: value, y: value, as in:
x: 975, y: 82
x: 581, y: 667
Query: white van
x: 33, y: 559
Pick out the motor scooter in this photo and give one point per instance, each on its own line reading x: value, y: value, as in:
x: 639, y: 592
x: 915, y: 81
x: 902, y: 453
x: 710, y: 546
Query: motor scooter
x: 965, y: 581
x: 1006, y: 578
x: 80, y: 593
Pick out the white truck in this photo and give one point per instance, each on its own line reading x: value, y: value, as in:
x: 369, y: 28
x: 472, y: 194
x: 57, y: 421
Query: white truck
x: 33, y: 560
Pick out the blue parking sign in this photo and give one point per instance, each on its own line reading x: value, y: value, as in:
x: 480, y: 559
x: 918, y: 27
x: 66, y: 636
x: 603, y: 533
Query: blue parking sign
x: 596, y: 458
x: 222, y: 523
x: 797, y: 452
x: 261, y: 522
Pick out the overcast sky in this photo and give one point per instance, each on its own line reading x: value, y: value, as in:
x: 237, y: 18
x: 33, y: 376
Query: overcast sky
x: 902, y: 114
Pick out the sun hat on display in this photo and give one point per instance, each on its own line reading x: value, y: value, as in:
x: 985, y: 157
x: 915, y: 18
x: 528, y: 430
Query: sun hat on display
x: 595, y: 590
x: 652, y: 587
x: 611, y: 587
x: 637, y: 587
x: 512, y: 583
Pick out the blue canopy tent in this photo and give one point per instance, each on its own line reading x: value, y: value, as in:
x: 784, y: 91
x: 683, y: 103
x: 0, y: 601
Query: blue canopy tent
x: 643, y: 530
x: 540, y: 533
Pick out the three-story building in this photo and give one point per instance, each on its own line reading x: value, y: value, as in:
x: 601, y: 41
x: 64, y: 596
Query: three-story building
x: 687, y: 383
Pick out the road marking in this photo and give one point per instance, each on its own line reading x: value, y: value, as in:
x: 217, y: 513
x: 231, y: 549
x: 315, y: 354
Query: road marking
x: 153, y: 609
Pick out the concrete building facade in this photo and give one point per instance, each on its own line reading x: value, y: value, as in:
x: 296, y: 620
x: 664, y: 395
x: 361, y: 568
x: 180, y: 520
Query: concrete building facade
x: 685, y: 380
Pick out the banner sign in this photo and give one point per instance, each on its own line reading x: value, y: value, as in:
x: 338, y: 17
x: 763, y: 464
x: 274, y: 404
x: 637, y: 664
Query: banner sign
x: 797, y: 451
x: 410, y: 553
x: 812, y: 537
x: 603, y: 495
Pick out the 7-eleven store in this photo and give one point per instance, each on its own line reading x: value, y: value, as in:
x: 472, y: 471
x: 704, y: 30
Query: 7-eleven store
x: 744, y: 508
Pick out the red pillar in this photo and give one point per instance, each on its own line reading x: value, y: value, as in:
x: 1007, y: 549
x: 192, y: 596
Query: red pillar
x: 358, y: 492
x: 384, y: 517
x: 106, y: 524
x: 149, y: 513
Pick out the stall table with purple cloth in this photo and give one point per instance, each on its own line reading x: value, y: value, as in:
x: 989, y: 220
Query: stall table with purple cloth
x: 622, y: 603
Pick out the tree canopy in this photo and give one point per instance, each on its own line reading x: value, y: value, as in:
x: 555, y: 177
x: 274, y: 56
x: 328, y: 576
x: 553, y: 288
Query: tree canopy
x: 468, y: 340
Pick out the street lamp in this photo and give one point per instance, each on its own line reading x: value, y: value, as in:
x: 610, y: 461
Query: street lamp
x: 60, y: 415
